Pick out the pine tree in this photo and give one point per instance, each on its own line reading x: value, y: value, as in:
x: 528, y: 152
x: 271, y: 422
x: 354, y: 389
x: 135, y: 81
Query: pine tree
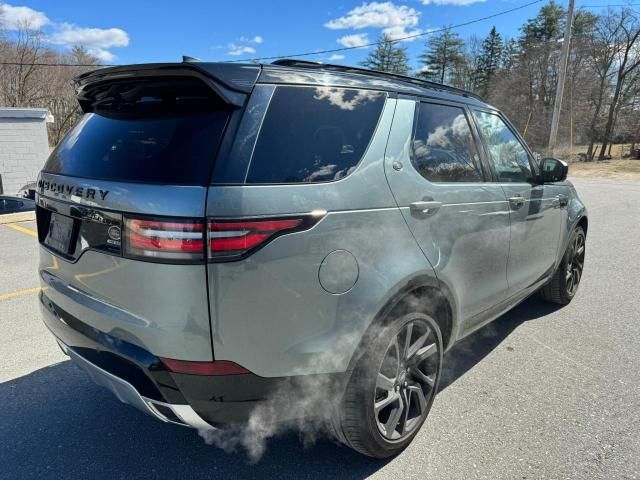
x: 490, y: 61
x: 444, y: 53
x: 387, y: 57
x: 547, y: 25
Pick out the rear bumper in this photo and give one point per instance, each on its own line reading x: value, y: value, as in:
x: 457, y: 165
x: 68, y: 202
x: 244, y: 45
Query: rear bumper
x: 127, y: 393
x: 138, y: 378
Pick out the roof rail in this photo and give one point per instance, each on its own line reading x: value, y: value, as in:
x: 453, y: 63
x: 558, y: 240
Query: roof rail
x: 288, y: 62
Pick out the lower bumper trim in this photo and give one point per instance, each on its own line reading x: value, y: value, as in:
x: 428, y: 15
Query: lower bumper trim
x: 182, y: 415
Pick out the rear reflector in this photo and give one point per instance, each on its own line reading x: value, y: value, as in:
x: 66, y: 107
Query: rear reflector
x: 171, y: 240
x: 232, y: 239
x: 218, y: 367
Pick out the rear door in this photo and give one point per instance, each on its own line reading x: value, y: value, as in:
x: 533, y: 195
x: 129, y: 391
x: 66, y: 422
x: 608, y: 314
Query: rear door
x: 535, y: 210
x: 120, y: 214
x: 460, y: 220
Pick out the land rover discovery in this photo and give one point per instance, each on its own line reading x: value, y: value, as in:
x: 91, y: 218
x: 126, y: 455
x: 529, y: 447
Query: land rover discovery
x: 211, y: 230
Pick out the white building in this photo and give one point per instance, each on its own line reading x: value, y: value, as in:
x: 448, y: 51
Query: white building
x: 24, y: 146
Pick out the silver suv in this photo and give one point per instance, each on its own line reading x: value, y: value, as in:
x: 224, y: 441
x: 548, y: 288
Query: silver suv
x: 211, y: 231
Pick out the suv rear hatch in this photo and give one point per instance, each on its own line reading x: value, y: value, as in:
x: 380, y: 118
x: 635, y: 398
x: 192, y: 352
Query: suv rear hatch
x: 121, y: 203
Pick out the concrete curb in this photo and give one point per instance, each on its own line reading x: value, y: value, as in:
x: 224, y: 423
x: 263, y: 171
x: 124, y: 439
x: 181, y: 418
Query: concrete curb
x: 17, y: 217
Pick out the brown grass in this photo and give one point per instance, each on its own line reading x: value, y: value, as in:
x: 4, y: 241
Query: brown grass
x: 620, y: 166
x: 618, y: 169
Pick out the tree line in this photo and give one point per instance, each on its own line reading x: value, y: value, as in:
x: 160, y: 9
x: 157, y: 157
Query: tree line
x: 601, y: 103
x: 26, y: 82
x: 518, y: 75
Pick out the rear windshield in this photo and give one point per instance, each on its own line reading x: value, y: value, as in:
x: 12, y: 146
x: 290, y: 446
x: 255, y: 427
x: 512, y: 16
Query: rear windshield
x: 314, y: 134
x: 149, y: 132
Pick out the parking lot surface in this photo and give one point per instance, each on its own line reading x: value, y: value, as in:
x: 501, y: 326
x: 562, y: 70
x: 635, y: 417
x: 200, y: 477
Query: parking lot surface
x: 542, y: 392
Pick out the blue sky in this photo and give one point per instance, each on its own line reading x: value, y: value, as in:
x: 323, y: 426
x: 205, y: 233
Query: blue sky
x: 129, y: 31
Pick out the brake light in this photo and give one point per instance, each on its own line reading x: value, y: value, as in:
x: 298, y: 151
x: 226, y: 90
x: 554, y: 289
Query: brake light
x: 233, y: 239
x: 218, y: 367
x: 175, y: 240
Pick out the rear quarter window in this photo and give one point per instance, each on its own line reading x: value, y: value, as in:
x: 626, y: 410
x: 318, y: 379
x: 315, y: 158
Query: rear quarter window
x: 314, y: 134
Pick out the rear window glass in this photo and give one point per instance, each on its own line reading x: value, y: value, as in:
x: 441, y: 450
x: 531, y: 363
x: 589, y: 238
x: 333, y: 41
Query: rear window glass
x: 314, y: 134
x: 162, y: 132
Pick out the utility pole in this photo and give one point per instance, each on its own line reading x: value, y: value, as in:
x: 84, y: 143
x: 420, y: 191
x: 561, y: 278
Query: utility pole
x: 564, y: 58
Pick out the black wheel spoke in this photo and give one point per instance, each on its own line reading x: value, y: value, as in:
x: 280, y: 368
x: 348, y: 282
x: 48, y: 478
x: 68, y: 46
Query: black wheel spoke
x: 423, y: 378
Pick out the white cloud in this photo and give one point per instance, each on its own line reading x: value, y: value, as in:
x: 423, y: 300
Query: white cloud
x: 96, y: 40
x: 257, y: 39
x: 244, y: 45
x: 239, y: 49
x: 13, y: 18
x: 336, y: 57
x: 69, y: 34
x: 394, y: 20
x: 450, y: 2
x: 354, y: 40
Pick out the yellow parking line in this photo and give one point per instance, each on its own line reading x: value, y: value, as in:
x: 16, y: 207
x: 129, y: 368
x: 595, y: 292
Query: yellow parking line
x: 7, y: 296
x: 28, y: 231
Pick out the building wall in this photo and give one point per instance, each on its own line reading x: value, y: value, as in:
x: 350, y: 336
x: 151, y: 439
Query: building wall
x: 24, y: 147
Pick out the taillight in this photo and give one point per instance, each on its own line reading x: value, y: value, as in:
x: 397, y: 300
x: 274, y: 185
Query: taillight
x: 233, y: 239
x: 174, y: 240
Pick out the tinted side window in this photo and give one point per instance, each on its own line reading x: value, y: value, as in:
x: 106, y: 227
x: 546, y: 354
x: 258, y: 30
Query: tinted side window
x: 443, y: 146
x: 510, y: 158
x: 314, y: 134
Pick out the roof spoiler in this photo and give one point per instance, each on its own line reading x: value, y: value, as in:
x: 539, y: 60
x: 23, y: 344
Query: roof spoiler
x: 232, y: 82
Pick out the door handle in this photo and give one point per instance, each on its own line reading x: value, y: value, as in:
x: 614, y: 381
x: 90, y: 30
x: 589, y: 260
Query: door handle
x: 517, y: 201
x: 425, y: 208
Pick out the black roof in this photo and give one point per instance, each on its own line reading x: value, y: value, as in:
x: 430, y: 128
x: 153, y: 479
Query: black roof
x: 376, y: 74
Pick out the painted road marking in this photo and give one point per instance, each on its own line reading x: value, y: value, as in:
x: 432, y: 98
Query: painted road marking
x: 28, y: 231
x: 19, y: 293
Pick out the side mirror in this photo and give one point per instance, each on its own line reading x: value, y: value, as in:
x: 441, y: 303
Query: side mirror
x: 553, y: 170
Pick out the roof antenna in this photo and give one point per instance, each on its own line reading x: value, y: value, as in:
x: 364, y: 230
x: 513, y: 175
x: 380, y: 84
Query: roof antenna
x: 187, y: 58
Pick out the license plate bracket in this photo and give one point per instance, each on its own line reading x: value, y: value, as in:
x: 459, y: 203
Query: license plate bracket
x: 60, y: 232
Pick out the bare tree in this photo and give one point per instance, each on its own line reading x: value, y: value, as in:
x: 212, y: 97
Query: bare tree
x: 36, y: 76
x: 627, y: 58
x: 20, y: 81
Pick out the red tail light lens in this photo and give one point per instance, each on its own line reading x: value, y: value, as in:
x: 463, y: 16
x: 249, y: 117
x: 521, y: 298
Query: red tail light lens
x: 233, y: 239
x: 174, y: 240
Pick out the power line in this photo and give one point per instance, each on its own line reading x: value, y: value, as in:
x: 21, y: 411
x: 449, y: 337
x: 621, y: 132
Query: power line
x: 408, y: 37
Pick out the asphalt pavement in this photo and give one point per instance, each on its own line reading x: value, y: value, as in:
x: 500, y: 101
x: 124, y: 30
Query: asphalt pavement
x: 542, y: 392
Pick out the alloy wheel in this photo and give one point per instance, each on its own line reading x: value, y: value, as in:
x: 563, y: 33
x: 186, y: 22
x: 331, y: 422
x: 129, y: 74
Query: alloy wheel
x: 575, y: 265
x: 406, y: 380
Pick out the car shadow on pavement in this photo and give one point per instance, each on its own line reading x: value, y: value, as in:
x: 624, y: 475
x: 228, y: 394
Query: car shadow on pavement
x: 472, y: 349
x: 55, y: 423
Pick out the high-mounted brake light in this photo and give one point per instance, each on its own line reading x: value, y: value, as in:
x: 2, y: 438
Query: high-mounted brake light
x: 233, y: 239
x: 170, y: 240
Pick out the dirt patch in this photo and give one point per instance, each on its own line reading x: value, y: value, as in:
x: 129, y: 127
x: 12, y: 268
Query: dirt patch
x: 616, y: 169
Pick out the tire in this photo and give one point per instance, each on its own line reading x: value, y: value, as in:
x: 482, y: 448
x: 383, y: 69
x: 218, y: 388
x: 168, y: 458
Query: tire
x: 565, y: 281
x: 358, y: 423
